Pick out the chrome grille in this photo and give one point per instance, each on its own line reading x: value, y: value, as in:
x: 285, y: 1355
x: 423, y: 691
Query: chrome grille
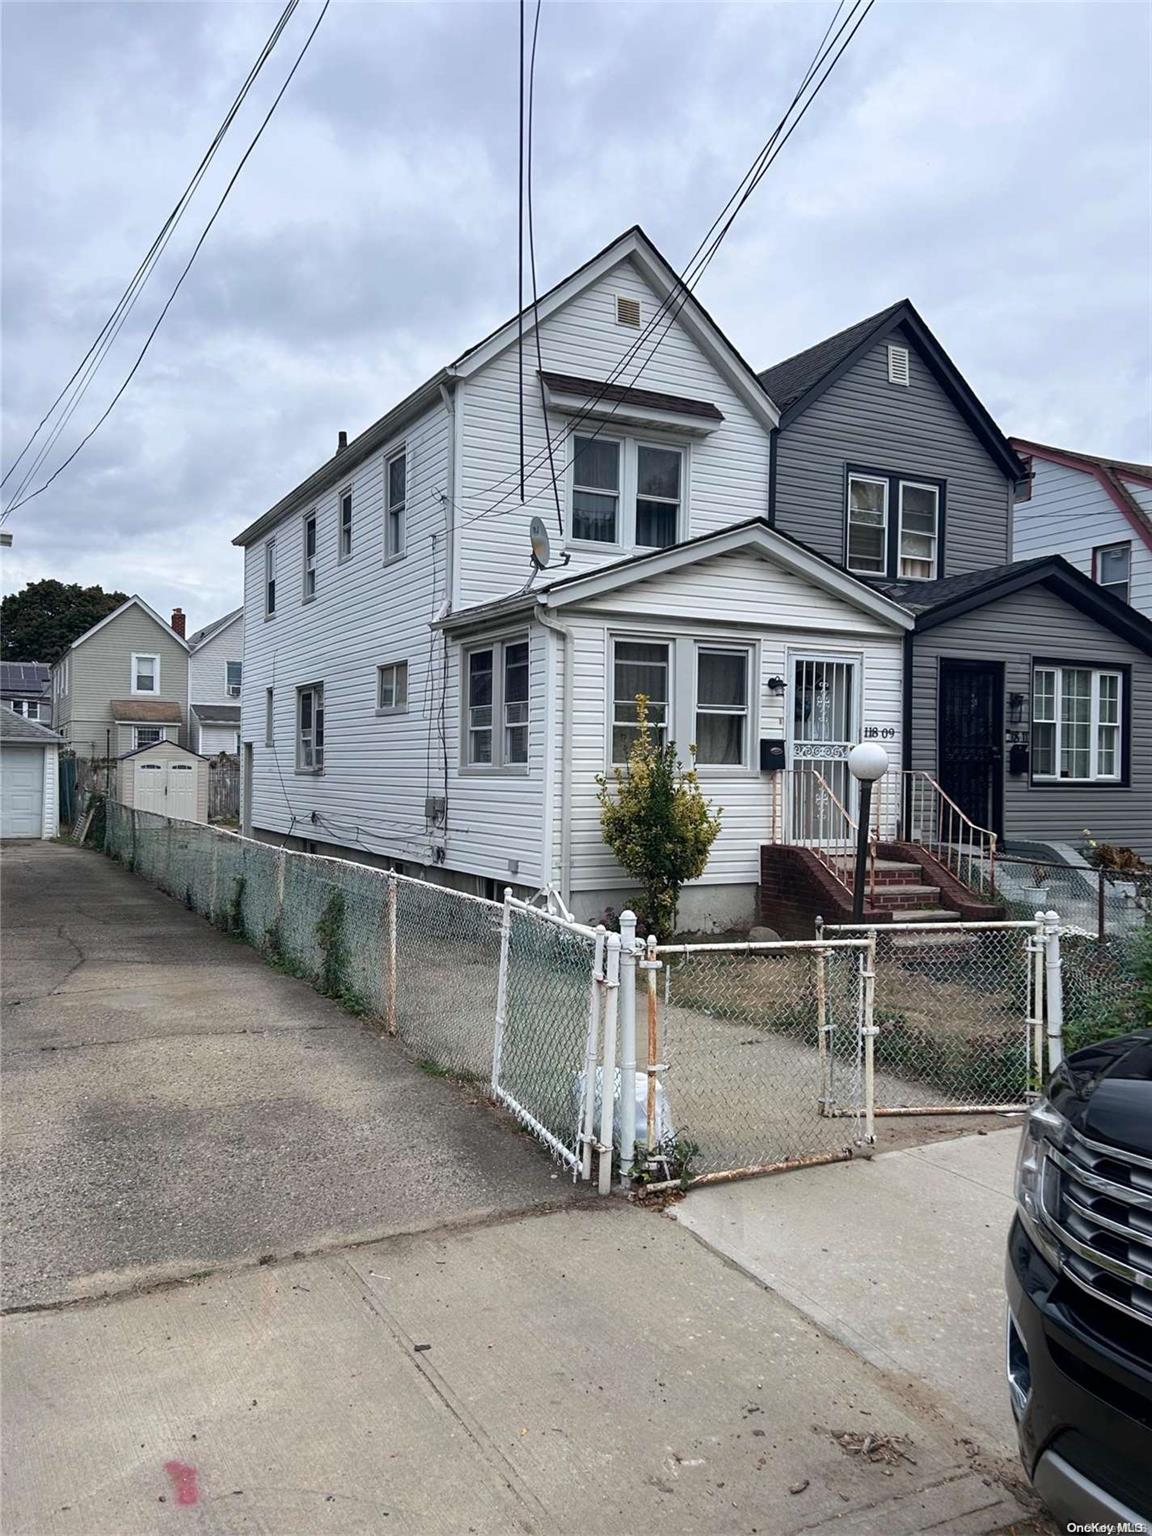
x: 1097, y: 1201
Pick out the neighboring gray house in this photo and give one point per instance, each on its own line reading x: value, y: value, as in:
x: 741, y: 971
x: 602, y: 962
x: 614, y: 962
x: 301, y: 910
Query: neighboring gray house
x: 1095, y: 512
x: 1027, y: 686
x: 124, y: 683
x: 26, y: 688
x: 215, y: 672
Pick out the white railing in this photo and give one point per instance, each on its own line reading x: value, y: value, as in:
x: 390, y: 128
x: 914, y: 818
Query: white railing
x: 936, y: 823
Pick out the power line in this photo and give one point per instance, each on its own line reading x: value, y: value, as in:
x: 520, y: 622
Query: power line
x: 705, y: 252
x: 535, y: 290
x: 179, y: 281
x: 111, y: 327
x: 520, y: 257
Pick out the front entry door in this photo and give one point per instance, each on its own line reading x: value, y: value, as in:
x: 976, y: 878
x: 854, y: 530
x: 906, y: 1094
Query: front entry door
x: 824, y: 729
x: 970, y: 739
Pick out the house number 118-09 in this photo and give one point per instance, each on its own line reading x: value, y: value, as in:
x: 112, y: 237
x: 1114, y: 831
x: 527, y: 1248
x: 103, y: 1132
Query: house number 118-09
x: 879, y: 732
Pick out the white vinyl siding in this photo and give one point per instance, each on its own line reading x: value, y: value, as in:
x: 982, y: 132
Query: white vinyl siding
x: 1076, y: 724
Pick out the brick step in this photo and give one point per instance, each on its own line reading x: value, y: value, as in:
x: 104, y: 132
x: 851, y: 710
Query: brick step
x: 901, y: 896
x: 888, y: 871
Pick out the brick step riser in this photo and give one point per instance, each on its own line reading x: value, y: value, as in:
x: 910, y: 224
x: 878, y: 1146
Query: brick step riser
x: 896, y: 900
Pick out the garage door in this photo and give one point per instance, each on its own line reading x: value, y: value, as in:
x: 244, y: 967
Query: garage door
x: 21, y: 791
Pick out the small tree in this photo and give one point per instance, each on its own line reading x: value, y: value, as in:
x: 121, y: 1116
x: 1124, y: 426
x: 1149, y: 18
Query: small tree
x: 657, y: 822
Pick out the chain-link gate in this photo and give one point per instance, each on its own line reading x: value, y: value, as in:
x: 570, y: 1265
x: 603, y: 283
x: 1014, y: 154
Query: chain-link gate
x: 959, y: 1014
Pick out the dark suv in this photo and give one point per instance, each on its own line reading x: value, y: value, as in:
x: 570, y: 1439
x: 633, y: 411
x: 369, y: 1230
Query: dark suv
x: 1079, y: 1279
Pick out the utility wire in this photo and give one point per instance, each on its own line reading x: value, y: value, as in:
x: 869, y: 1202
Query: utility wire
x: 520, y: 256
x: 681, y: 290
x: 535, y: 290
x: 111, y: 326
x: 195, y: 252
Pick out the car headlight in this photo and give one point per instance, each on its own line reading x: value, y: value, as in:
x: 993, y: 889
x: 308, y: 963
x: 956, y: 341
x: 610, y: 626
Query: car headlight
x: 1045, y: 1125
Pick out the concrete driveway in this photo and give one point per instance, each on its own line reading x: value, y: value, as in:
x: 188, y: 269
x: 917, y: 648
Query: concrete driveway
x: 172, y: 1104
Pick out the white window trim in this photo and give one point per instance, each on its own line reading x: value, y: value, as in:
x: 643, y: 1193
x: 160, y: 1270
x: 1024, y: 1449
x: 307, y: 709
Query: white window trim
x: 915, y: 485
x: 309, y: 565
x: 147, y: 693
x: 626, y: 494
x: 343, y: 555
x: 390, y: 556
x: 227, y: 685
x: 747, y: 713
x: 638, y: 637
x: 497, y: 644
x: 137, y: 743
x: 270, y: 579
x: 314, y: 767
x: 1113, y: 586
x: 858, y: 570
x: 1057, y: 669
x: 393, y: 709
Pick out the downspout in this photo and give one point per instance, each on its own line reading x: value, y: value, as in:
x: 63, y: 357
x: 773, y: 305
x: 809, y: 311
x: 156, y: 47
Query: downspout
x: 565, y: 698
x: 906, y: 733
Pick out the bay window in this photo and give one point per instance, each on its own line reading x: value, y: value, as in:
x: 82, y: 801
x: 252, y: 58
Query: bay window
x: 1077, y: 719
x: 639, y: 667
x: 497, y: 705
x: 626, y: 493
x: 722, y: 706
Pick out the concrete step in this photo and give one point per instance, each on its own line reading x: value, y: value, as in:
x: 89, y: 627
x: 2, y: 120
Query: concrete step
x: 925, y: 915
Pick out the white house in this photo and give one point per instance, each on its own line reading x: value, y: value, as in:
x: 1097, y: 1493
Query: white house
x: 1095, y: 512
x: 215, y: 670
x: 415, y: 693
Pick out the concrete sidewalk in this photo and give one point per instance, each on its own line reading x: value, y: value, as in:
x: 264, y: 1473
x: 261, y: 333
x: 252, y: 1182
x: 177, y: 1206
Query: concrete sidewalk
x: 901, y: 1257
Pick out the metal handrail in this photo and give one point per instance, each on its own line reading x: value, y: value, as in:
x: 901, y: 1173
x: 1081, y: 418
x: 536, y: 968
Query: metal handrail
x: 955, y: 851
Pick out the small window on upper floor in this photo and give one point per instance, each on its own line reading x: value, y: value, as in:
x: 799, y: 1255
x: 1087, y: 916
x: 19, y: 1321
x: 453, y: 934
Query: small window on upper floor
x: 233, y: 677
x: 145, y: 674
x: 310, y: 561
x: 894, y: 526
x: 1112, y: 568
x: 396, y: 494
x: 310, y: 728
x: 626, y: 493
x: 899, y: 371
x: 392, y: 688
x: 627, y: 311
x: 346, y: 524
x: 270, y: 578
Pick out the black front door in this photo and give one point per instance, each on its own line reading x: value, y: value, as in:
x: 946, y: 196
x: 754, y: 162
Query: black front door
x: 970, y: 739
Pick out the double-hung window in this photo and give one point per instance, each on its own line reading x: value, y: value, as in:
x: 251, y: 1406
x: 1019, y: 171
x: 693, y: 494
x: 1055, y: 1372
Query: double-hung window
x: 396, y: 493
x: 867, y: 525
x: 345, y: 524
x: 639, y: 667
x: 310, y: 728
x: 392, y: 688
x: 894, y: 525
x: 626, y: 492
x: 270, y: 578
x: 722, y: 708
x: 233, y: 678
x: 496, y: 724
x: 310, y: 557
x: 1112, y: 568
x: 1077, y: 720
x: 145, y: 674
x: 269, y: 718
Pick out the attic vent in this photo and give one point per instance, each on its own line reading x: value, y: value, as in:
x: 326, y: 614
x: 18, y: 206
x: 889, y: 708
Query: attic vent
x: 898, y: 365
x: 627, y: 310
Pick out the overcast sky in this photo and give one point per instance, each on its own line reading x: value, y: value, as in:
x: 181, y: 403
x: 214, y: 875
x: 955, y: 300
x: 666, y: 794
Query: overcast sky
x: 990, y: 161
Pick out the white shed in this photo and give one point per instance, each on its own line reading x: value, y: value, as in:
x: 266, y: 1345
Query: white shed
x: 29, y: 777
x: 166, y: 779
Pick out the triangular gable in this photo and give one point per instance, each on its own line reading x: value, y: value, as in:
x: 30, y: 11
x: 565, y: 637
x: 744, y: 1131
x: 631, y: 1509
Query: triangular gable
x: 830, y: 360
x: 115, y: 614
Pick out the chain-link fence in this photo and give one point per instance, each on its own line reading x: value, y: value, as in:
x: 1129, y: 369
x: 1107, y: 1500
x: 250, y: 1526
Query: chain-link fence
x: 958, y: 1010
x: 757, y: 1042
x: 1102, y: 903
x: 1102, y: 991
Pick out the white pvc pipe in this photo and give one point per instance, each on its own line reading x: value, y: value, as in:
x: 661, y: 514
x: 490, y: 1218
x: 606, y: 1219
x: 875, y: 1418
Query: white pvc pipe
x: 591, y: 1050
x: 627, y: 1042
x: 1053, y: 988
x: 608, y: 1069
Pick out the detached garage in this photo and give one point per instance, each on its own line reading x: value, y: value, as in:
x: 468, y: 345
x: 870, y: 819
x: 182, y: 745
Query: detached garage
x: 166, y: 779
x: 29, y: 783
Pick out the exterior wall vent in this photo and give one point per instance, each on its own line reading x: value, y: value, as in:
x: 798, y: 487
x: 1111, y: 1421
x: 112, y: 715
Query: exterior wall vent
x: 898, y: 370
x: 627, y: 311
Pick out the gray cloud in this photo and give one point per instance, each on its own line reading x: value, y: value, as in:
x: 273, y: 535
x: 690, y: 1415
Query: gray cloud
x: 991, y: 161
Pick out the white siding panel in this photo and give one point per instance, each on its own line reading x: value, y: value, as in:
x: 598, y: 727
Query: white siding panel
x: 206, y: 666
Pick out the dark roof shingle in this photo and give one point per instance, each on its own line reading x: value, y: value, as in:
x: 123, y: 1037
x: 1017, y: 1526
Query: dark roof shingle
x: 14, y: 727
x: 654, y: 400
x: 786, y: 382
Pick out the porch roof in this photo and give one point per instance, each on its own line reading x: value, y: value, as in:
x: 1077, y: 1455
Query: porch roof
x: 755, y: 534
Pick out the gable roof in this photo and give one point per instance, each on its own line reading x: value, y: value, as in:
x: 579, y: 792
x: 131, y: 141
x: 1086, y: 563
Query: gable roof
x: 935, y: 602
x: 115, y: 614
x: 14, y: 727
x: 25, y: 676
x: 800, y: 380
x: 755, y: 534
x: 632, y: 245
x: 150, y: 746
x: 210, y: 631
x: 1109, y: 474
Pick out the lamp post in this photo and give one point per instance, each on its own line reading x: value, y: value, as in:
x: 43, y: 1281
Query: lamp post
x: 867, y: 762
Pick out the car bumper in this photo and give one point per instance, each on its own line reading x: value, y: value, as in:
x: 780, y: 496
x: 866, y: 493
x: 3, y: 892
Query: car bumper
x: 1082, y: 1396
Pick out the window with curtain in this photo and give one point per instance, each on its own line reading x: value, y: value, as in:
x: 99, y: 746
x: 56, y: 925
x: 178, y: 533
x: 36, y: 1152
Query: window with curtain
x: 722, y: 706
x: 657, y: 495
x: 867, y: 525
x: 595, y: 489
x: 919, y: 521
x: 638, y: 667
x: 1076, y: 724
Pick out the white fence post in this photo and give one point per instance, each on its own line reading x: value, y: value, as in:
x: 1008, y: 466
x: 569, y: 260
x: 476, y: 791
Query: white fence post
x: 651, y: 966
x: 502, y: 987
x: 627, y: 1043
x: 869, y: 1031
x: 608, y: 1070
x: 1054, y: 989
x: 1034, y: 952
x: 823, y: 1041
x: 591, y: 1051
x: 392, y: 883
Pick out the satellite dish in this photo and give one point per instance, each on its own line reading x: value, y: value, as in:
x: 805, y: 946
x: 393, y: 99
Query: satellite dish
x: 541, y: 545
